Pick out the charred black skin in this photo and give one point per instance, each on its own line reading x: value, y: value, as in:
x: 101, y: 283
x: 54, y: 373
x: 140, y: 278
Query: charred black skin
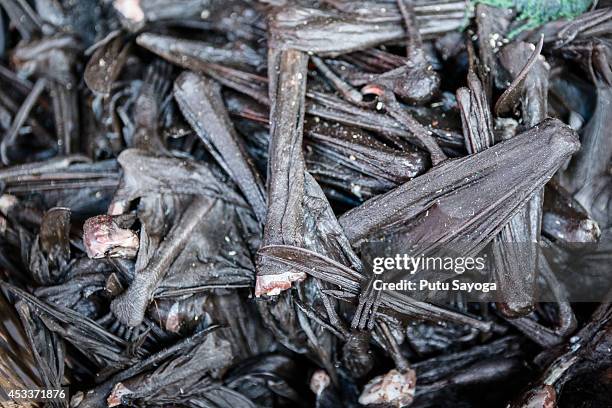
x: 356, y: 354
x: 130, y: 306
x: 186, y: 188
x: 201, y: 103
x: 565, y: 220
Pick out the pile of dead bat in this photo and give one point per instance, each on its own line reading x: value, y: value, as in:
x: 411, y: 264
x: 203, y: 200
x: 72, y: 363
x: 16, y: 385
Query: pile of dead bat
x: 187, y: 186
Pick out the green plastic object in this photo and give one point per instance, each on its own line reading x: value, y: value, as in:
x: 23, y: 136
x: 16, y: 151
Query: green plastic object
x: 538, y: 12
